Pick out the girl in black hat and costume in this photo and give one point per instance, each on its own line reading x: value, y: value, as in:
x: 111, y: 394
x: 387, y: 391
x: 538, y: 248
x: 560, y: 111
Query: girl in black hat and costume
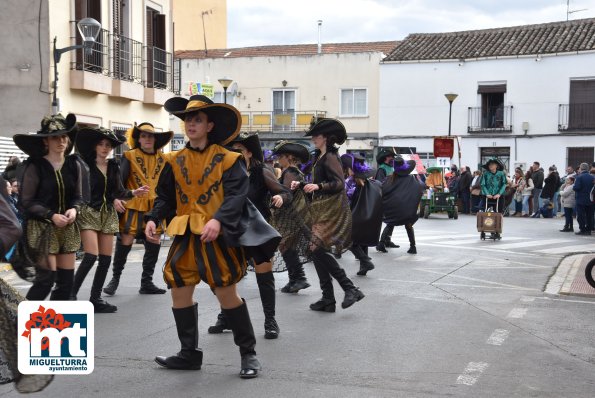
x: 330, y: 214
x: 215, y: 227
x: 51, y: 194
x: 140, y: 166
x: 291, y: 221
x: 263, y: 191
x: 401, y: 194
x: 98, y: 221
x: 385, y: 169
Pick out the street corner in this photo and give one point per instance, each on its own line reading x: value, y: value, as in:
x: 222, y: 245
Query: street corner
x: 570, y: 277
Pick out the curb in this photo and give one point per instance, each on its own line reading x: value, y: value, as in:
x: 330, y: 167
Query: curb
x: 569, y: 278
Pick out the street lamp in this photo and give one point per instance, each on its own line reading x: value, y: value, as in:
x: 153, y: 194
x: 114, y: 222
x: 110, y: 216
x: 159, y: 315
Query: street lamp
x: 450, y: 97
x: 225, y: 82
x: 89, y: 29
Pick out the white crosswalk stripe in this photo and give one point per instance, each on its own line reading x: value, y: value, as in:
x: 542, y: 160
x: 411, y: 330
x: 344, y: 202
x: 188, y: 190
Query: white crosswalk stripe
x: 569, y: 249
x: 532, y: 243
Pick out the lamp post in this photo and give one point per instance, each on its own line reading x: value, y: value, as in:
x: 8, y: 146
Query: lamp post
x: 89, y: 29
x: 225, y: 82
x: 450, y: 97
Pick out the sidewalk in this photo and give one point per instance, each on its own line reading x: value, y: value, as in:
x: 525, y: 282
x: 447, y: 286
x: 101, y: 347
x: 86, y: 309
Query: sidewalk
x: 569, y: 278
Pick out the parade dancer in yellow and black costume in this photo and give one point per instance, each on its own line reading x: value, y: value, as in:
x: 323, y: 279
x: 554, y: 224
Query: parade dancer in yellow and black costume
x: 140, y: 166
x: 98, y: 220
x: 51, y: 194
x: 264, y: 191
x: 216, y: 228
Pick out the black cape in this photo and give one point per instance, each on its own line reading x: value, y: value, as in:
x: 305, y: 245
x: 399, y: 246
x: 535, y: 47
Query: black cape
x: 400, y: 199
x: 366, y: 211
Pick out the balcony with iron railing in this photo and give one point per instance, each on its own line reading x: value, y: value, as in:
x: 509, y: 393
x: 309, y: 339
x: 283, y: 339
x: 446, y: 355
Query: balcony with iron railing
x: 573, y: 117
x: 489, y: 119
x: 132, y: 67
x: 279, y: 122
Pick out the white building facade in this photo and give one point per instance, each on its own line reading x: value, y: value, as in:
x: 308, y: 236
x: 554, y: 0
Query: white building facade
x: 521, y: 98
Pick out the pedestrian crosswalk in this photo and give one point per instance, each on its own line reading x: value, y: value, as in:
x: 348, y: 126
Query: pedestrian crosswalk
x: 522, y: 245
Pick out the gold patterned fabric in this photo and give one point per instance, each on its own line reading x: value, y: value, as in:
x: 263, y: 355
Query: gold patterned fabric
x: 144, y: 170
x: 133, y: 223
x: 190, y: 261
x: 104, y: 220
x: 330, y: 222
x: 62, y: 240
x: 9, y: 302
x: 199, y: 189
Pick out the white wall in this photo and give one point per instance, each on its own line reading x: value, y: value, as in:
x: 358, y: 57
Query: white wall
x: 413, y: 103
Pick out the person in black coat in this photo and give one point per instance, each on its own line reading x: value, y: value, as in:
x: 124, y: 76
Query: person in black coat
x: 465, y: 189
x: 401, y: 194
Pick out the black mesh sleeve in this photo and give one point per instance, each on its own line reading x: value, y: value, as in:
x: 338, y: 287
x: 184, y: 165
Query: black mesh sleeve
x: 274, y: 187
x: 28, y: 194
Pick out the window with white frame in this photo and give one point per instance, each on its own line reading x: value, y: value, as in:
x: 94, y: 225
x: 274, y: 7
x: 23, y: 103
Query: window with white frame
x: 354, y: 102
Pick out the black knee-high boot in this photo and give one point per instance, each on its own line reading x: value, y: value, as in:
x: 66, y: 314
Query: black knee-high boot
x: 327, y: 302
x: 385, y: 240
x: 352, y: 293
x: 411, y: 236
x: 266, y: 287
x: 149, y: 260
x: 64, y: 282
x: 81, y: 272
x: 287, y: 258
x: 120, y: 256
x: 98, y: 302
x: 190, y: 356
x: 42, y: 285
x: 243, y: 336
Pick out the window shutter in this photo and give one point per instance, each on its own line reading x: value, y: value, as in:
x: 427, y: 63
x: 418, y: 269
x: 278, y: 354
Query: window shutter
x: 582, y: 91
x: 159, y: 39
x: 491, y: 88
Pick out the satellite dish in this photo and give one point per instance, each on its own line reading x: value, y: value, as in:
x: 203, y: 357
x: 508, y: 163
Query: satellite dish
x: 233, y: 89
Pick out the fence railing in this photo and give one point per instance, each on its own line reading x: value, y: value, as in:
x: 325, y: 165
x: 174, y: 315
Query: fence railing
x: 489, y: 119
x: 279, y: 121
x: 576, y: 117
x: 126, y: 59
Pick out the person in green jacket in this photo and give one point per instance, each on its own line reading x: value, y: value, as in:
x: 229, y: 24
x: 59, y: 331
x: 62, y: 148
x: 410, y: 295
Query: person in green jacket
x: 493, y: 184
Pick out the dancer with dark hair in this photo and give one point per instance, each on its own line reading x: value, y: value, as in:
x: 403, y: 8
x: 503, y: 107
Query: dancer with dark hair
x: 51, y: 195
x: 330, y: 214
x: 98, y: 220
x: 140, y: 166
x: 290, y: 220
x: 264, y: 191
x: 385, y: 169
x: 215, y: 227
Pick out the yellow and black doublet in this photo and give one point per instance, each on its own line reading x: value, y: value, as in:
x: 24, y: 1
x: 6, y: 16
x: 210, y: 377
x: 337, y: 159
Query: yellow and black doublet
x: 138, y: 169
x: 199, y: 186
x: 45, y: 192
x: 99, y: 214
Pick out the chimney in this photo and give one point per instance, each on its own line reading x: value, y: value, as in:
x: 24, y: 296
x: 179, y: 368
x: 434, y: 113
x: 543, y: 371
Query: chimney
x: 319, y: 44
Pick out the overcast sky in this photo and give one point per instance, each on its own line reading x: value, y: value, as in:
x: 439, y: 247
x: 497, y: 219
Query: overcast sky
x: 268, y: 22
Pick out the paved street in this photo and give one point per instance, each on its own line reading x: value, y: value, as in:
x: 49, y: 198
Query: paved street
x: 463, y: 317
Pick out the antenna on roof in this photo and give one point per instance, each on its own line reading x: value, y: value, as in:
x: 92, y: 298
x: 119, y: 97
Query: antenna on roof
x: 319, y: 44
x: 569, y: 11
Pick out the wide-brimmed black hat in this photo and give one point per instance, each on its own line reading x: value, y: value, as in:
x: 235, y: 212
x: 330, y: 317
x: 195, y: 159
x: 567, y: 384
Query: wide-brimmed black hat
x: 252, y: 143
x: 51, y: 126
x: 493, y: 160
x: 227, y: 119
x: 300, y: 151
x: 403, y: 167
x: 161, y: 137
x: 383, y: 154
x: 328, y: 127
x: 88, y: 137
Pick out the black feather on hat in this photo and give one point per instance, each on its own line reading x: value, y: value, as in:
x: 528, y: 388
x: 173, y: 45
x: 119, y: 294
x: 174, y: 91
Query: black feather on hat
x: 252, y: 144
x: 227, y: 119
x: 328, y: 127
x: 51, y: 126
